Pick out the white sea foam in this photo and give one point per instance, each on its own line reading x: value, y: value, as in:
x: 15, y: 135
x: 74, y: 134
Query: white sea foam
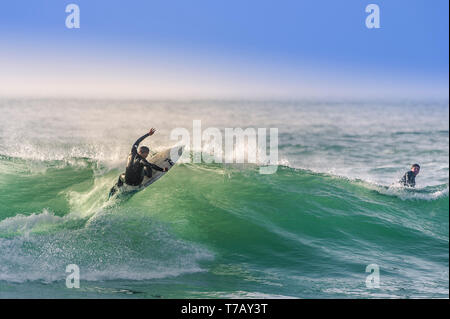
x: 34, y: 250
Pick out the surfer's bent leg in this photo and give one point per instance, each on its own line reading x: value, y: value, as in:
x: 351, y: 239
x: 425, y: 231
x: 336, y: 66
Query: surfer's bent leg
x: 116, y: 186
x: 148, y: 171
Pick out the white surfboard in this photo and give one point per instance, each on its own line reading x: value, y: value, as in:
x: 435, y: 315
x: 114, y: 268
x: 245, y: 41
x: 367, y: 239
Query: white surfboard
x: 164, y: 159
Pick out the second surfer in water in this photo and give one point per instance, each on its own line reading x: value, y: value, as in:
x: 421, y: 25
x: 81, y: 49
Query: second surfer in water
x: 409, y: 179
x: 137, y: 165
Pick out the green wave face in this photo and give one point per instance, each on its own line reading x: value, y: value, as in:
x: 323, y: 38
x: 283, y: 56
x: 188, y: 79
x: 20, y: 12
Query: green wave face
x: 291, y: 234
x: 223, y: 230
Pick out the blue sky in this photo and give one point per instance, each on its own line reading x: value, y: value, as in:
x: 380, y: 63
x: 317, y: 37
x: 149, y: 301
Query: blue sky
x: 288, y: 48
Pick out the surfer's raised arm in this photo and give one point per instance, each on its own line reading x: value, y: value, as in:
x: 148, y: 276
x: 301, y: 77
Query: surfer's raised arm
x: 139, y: 140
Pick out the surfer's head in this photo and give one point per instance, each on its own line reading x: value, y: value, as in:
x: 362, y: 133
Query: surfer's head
x: 415, y: 168
x: 143, y: 151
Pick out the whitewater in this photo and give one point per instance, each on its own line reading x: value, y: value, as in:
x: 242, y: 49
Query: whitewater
x: 212, y: 230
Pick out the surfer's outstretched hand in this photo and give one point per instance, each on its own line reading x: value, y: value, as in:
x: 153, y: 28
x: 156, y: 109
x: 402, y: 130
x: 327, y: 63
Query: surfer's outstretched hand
x: 152, y: 131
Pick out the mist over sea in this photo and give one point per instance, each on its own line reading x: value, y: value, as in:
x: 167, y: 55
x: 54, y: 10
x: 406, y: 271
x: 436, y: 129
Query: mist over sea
x: 212, y: 230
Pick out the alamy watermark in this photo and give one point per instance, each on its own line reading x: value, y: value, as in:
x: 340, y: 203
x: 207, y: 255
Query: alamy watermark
x: 73, y: 278
x: 236, y: 145
x: 373, y: 279
x: 373, y: 19
x: 73, y: 19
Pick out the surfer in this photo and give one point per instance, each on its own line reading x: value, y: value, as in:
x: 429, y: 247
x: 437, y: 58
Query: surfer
x: 137, y: 165
x: 409, y: 179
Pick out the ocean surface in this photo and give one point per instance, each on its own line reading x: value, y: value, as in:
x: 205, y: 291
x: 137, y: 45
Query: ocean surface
x: 212, y: 230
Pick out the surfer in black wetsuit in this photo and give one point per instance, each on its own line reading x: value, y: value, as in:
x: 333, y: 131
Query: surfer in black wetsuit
x: 409, y: 179
x: 137, y: 165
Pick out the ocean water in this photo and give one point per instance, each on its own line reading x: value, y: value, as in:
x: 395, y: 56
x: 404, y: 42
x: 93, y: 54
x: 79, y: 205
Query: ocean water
x: 223, y: 230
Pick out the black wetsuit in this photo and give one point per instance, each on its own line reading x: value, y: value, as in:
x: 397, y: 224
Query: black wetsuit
x: 137, y: 166
x: 409, y: 179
